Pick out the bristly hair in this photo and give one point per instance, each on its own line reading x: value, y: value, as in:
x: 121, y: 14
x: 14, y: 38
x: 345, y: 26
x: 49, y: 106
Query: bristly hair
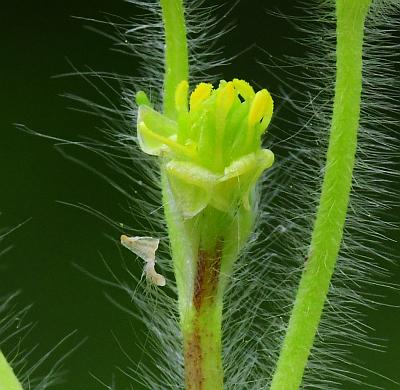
x: 14, y: 332
x: 14, y: 339
x: 263, y: 287
x: 136, y: 176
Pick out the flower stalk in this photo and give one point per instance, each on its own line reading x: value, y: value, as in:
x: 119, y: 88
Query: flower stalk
x: 209, y: 148
x: 331, y: 214
x: 176, y: 51
x: 204, y: 249
x: 210, y: 160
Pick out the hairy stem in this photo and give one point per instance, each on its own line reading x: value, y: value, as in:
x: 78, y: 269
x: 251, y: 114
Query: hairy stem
x: 176, y: 51
x: 334, y: 200
x: 197, y: 253
x: 201, y: 323
x: 197, y: 273
x: 8, y: 380
x: 204, y: 249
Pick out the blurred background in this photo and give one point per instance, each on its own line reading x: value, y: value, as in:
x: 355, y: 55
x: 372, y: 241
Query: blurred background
x: 41, y: 39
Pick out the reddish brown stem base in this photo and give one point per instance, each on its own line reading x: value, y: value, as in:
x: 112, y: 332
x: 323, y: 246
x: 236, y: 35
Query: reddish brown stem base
x: 202, y: 345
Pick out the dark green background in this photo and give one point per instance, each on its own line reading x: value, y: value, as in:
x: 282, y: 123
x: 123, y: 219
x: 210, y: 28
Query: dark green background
x: 38, y: 39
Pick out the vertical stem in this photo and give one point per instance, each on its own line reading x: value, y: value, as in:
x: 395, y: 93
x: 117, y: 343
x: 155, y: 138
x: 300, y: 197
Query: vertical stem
x: 176, y: 51
x: 197, y: 252
x: 8, y: 380
x: 204, y: 249
x: 331, y: 214
x: 197, y: 269
x: 202, y: 322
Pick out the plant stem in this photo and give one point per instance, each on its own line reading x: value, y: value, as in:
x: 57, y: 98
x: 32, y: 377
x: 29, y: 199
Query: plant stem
x: 204, y: 249
x: 8, y: 380
x: 176, y: 51
x: 329, y: 224
x: 198, y: 249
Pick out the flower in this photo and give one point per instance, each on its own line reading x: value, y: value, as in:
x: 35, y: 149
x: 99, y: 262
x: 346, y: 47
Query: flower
x: 212, y: 150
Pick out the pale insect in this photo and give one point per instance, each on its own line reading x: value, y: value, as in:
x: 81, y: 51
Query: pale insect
x: 145, y: 248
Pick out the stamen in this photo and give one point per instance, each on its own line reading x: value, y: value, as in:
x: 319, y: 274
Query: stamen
x: 225, y: 98
x: 244, y: 89
x: 201, y: 93
x: 261, y: 106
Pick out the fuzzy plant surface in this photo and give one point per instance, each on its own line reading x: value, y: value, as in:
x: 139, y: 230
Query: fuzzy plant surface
x: 8, y: 379
x: 211, y: 159
x: 18, y: 370
x: 12, y: 371
x: 23, y: 365
x: 259, y: 250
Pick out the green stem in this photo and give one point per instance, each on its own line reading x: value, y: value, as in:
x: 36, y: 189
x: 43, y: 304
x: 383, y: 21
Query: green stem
x: 176, y: 51
x: 204, y: 249
x: 197, y: 253
x: 8, y: 380
x: 329, y: 224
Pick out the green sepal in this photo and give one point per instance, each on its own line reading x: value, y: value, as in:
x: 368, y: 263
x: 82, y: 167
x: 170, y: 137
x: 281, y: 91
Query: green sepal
x: 155, y: 131
x: 191, y: 185
x: 195, y: 187
x: 239, y: 179
x: 142, y: 99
